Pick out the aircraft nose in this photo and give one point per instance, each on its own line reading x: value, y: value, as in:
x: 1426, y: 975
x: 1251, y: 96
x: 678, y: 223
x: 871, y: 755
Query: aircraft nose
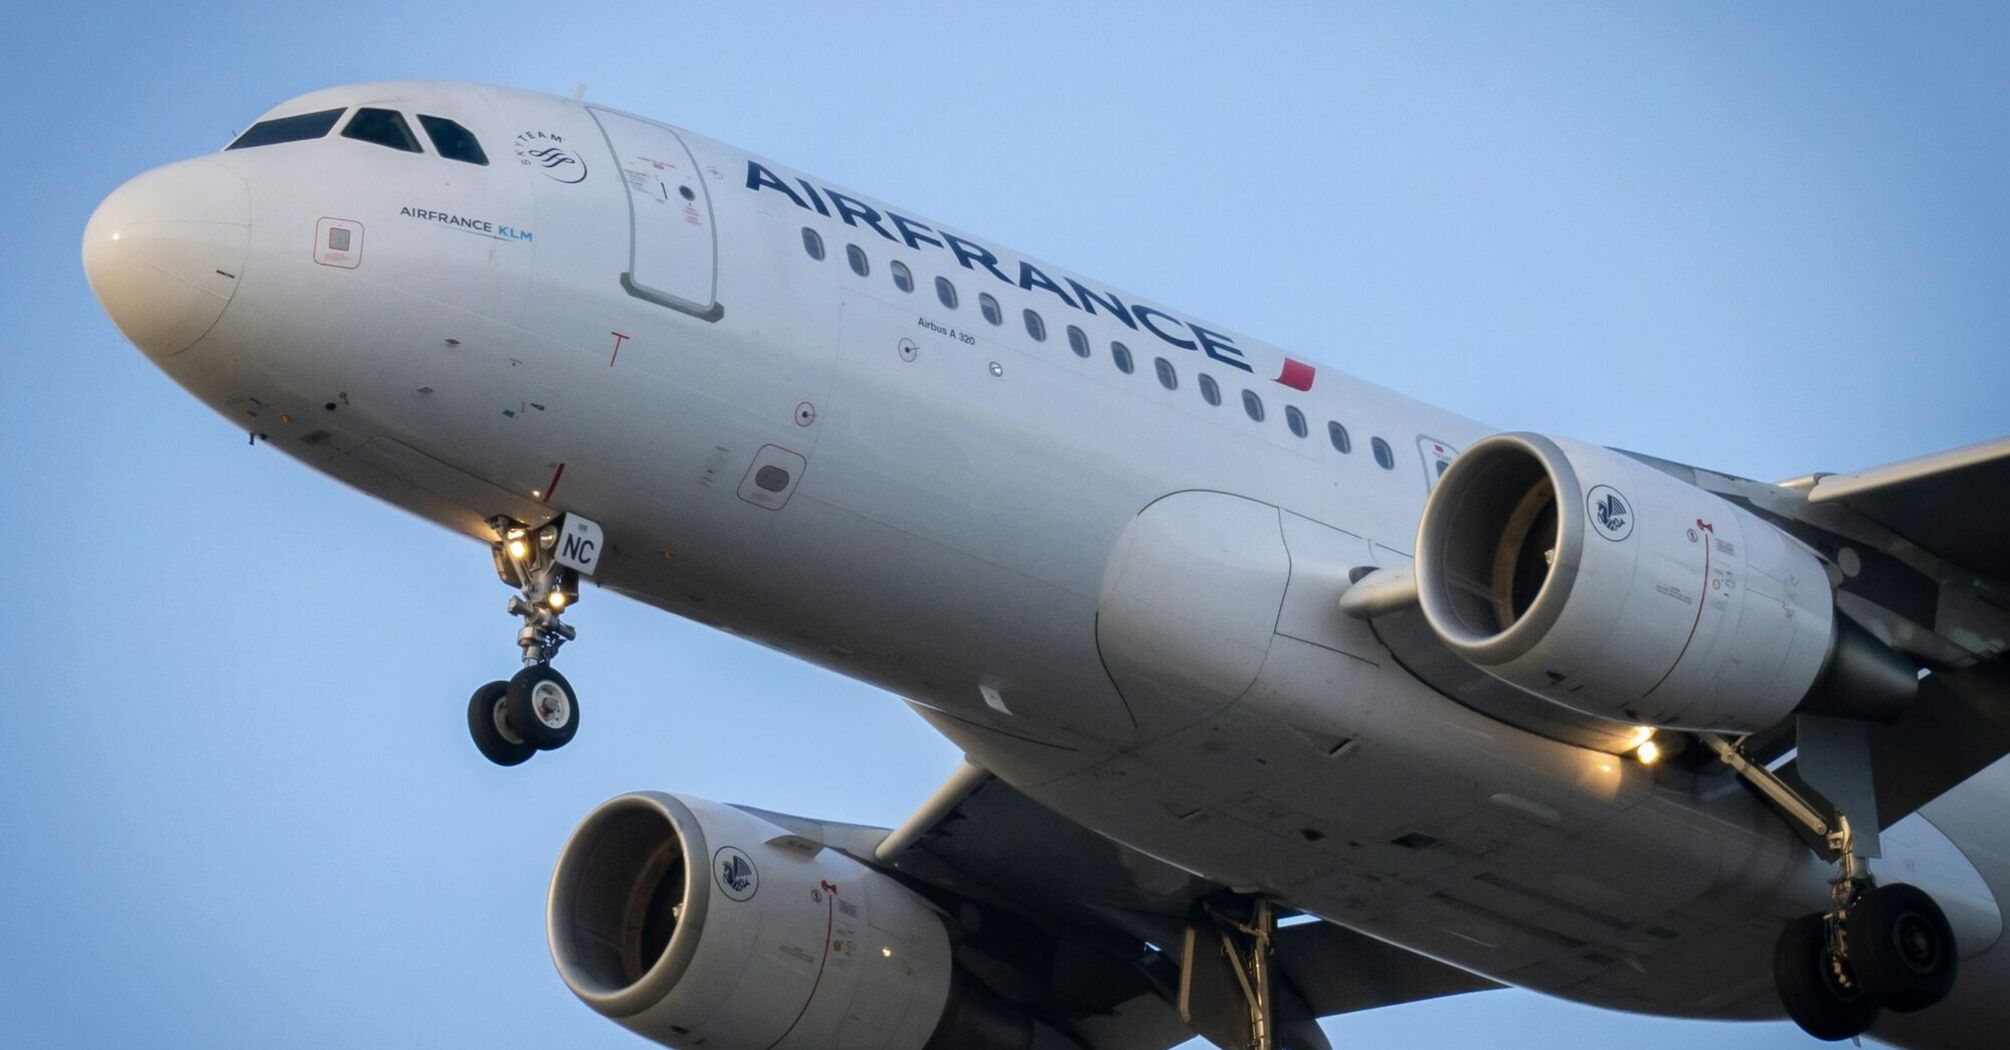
x: 165, y: 251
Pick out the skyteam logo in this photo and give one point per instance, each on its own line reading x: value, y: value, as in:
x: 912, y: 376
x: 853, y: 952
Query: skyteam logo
x: 1609, y: 512
x: 548, y: 153
x: 736, y: 875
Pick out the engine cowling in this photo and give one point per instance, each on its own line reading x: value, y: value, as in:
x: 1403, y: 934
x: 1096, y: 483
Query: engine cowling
x: 696, y: 924
x: 1614, y: 589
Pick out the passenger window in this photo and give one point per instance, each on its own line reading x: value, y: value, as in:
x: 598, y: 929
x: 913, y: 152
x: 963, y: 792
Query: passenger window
x: 385, y: 127
x: 855, y: 255
x: 452, y: 141
x: 813, y: 243
x: 1295, y: 420
x: 1167, y: 377
x: 989, y: 305
x: 1252, y: 405
x: 1210, y: 392
x: 1342, y: 443
x: 945, y: 292
x: 903, y: 278
x: 1036, y: 327
x: 1078, y: 342
x: 287, y: 129
x: 1121, y: 354
x: 1384, y: 455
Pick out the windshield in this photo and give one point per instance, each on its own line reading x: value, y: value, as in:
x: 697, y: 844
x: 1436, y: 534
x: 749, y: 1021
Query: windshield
x: 287, y: 129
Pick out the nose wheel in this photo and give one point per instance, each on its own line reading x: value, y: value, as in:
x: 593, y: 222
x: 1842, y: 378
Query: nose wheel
x: 495, y: 734
x: 540, y: 701
x: 536, y: 709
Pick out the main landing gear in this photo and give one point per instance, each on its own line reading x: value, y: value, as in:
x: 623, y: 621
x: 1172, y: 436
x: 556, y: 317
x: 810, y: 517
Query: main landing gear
x: 1876, y: 948
x: 1227, y: 983
x: 536, y: 709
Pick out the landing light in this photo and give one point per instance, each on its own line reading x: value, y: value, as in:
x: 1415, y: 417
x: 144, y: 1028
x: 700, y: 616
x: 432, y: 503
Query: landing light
x: 1644, y: 747
x: 886, y: 953
x: 518, y: 548
x: 557, y: 599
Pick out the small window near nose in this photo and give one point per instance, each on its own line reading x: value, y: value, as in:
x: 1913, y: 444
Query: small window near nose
x: 855, y: 255
x: 813, y: 244
x: 338, y: 243
x: 903, y: 278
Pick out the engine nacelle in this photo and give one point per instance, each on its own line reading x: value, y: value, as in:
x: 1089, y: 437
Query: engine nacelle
x: 1614, y: 589
x: 696, y: 924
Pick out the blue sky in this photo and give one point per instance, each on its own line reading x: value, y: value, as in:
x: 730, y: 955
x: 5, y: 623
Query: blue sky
x: 240, y: 805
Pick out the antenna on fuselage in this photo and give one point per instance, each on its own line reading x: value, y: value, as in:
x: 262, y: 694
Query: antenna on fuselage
x: 578, y: 92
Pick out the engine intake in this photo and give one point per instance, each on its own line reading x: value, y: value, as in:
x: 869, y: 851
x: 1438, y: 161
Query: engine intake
x: 1614, y: 589
x: 695, y: 924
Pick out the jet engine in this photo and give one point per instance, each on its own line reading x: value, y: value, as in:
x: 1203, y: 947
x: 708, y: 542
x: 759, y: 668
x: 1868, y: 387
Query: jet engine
x: 697, y: 924
x: 1608, y: 586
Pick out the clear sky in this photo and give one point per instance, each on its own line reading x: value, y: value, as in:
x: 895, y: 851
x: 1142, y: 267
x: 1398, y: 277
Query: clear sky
x: 240, y: 806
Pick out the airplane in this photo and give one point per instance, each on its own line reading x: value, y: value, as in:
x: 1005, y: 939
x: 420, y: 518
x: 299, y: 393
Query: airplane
x: 1282, y: 695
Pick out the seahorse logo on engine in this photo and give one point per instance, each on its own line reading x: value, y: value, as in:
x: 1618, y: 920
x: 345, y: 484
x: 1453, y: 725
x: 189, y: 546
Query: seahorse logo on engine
x: 1610, y: 512
x: 738, y: 878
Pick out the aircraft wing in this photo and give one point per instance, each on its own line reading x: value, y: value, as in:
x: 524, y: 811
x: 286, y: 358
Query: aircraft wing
x: 1955, y: 504
x: 1951, y: 507
x: 981, y: 840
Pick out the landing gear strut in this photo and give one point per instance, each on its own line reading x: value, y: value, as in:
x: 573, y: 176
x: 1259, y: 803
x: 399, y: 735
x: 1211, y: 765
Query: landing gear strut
x: 1226, y: 988
x: 1876, y: 947
x: 536, y: 709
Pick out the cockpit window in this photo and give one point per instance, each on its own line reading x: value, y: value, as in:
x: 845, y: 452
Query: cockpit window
x: 385, y: 127
x: 453, y: 141
x: 287, y: 129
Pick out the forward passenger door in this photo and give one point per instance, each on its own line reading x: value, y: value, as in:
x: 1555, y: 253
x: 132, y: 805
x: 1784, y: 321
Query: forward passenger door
x: 673, y: 250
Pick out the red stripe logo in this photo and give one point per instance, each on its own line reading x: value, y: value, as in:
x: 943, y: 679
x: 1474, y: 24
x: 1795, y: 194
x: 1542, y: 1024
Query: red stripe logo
x: 1296, y: 374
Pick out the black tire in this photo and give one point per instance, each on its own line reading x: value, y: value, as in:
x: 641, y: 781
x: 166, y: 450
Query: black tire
x: 489, y: 724
x: 1809, y: 989
x: 543, y: 707
x: 1901, y: 944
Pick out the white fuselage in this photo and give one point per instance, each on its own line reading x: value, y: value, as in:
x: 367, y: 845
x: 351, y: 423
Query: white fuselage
x: 565, y: 331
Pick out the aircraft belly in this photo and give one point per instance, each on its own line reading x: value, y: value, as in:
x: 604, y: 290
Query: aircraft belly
x: 1324, y: 774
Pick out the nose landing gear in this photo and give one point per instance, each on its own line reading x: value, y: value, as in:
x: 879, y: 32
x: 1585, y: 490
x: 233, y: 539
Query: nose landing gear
x: 536, y: 709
